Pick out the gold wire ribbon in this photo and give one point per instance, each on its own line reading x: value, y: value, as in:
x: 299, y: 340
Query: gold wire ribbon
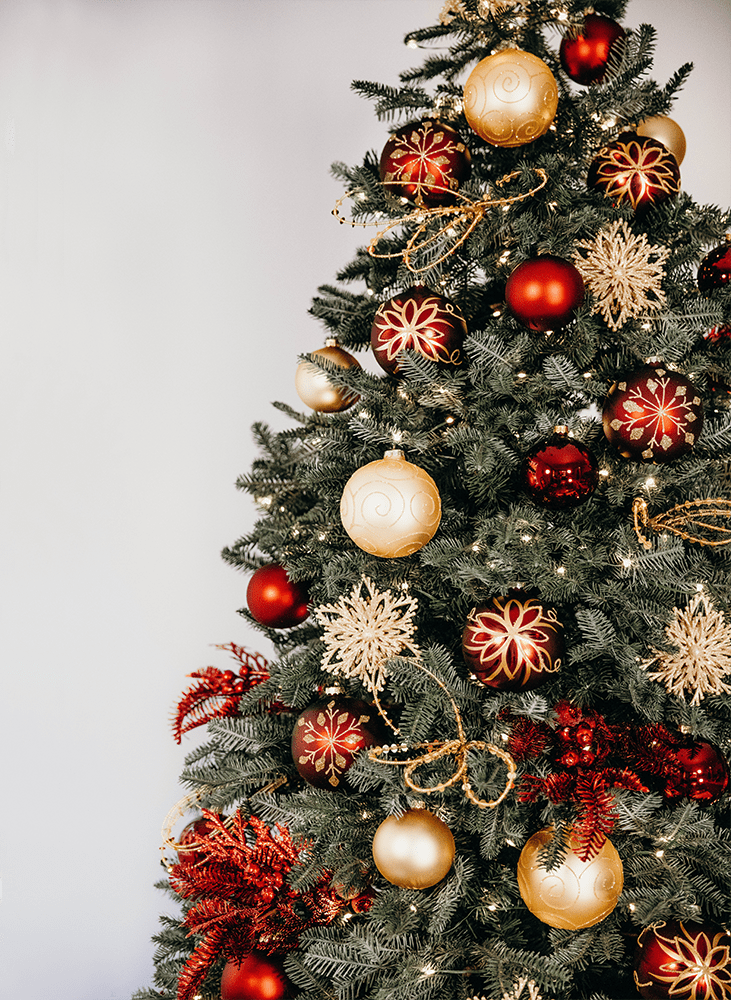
x: 468, y: 214
x: 706, y: 522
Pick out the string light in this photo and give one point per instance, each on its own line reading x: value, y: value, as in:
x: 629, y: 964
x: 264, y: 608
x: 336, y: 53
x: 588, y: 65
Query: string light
x: 428, y: 970
x: 650, y: 483
x: 526, y: 538
x: 561, y: 570
x: 412, y: 908
x: 604, y: 473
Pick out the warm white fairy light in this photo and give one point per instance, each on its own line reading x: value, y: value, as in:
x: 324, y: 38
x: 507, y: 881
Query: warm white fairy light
x: 397, y: 436
x: 363, y: 414
x: 428, y: 970
x: 699, y: 587
x: 561, y: 571
x: 604, y: 473
x: 650, y: 483
x: 526, y: 538
x: 449, y: 420
x: 659, y: 854
x: 522, y: 375
x: 412, y: 908
x: 497, y: 312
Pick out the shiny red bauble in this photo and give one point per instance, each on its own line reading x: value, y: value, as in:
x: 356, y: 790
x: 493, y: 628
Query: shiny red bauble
x: 698, y: 772
x: 328, y: 735
x: 653, y: 414
x: 560, y: 473
x: 584, y: 57
x: 715, y: 269
x: 513, y: 643
x: 544, y: 293
x: 418, y: 320
x: 635, y: 169
x: 683, y: 960
x: 274, y: 600
x: 190, y: 837
x: 425, y: 163
x: 258, y: 977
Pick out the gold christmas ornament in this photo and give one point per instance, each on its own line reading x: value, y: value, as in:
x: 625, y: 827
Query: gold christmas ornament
x: 414, y: 851
x: 705, y: 522
x: 391, y: 508
x: 314, y: 387
x: 577, y: 893
x: 666, y: 131
x: 510, y: 98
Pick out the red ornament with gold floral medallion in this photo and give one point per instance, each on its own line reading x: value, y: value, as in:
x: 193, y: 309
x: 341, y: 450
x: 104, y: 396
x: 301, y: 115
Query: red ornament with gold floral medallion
x: 584, y: 56
x: 274, y: 600
x: 425, y: 163
x: 683, y: 960
x: 257, y: 977
x: 635, y: 169
x: 328, y: 735
x: 560, y: 473
x: 513, y: 642
x: 418, y: 320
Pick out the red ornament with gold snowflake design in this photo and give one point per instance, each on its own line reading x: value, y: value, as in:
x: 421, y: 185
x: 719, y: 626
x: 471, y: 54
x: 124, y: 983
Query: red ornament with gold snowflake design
x: 653, y: 414
x: 513, y: 643
x: 328, y: 735
x: 425, y: 163
x: 635, y: 169
x: 418, y: 320
x: 683, y: 961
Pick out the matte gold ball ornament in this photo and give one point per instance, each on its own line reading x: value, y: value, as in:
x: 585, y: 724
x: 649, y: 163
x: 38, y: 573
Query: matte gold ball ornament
x: 315, y: 388
x: 414, y: 851
x: 510, y: 98
x: 391, y: 508
x: 666, y: 131
x: 577, y: 893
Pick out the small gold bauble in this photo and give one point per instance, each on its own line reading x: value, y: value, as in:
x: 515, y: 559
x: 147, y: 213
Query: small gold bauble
x: 414, y: 851
x: 510, y: 98
x: 575, y: 895
x: 666, y: 131
x: 314, y: 387
x: 390, y: 508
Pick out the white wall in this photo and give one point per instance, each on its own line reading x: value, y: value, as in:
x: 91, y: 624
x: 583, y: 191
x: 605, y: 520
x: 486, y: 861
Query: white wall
x: 164, y: 221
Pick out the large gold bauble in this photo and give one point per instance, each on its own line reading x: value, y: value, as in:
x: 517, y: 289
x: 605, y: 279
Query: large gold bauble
x: 578, y: 893
x: 414, y: 851
x: 314, y: 387
x: 510, y: 98
x: 390, y: 508
x: 666, y: 131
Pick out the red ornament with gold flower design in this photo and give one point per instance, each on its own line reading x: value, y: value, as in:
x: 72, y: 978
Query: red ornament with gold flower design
x: 328, y: 735
x: 418, y: 320
x: 683, y: 961
x: 653, y: 414
x: 513, y: 643
x: 635, y: 169
x: 425, y: 163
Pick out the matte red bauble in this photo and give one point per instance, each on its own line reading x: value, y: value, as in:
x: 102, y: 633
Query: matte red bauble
x: 683, y: 961
x: 418, y: 320
x: 584, y: 57
x: 715, y: 269
x: 328, y: 735
x: 653, y: 414
x: 425, y: 163
x: 543, y: 293
x: 274, y: 600
x: 258, y: 977
x: 513, y: 643
x: 698, y: 772
x: 560, y: 472
x: 635, y: 169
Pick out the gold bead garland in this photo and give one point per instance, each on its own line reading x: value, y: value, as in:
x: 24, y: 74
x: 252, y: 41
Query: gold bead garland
x: 711, y: 518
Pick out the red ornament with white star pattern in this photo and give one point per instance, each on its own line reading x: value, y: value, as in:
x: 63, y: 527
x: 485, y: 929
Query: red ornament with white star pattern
x: 635, y: 169
x: 653, y: 415
x: 425, y: 163
x: 328, y: 735
x: 683, y: 961
x: 418, y: 320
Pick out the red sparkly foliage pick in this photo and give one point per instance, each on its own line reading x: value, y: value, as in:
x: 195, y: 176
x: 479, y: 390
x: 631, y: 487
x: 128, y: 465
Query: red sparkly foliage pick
x: 218, y: 692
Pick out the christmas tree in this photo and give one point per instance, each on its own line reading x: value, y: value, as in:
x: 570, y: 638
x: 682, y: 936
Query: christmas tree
x: 488, y: 758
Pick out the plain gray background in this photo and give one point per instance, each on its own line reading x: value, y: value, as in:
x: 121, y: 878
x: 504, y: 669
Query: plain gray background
x: 164, y: 221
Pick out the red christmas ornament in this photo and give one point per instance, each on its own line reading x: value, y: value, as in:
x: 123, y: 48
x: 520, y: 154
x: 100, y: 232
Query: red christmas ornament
x: 653, y: 414
x: 635, y: 169
x: 425, y: 162
x: 513, y: 643
x: 698, y: 772
x: 274, y: 600
x: 191, y: 838
x: 584, y: 57
x: 715, y: 269
x: 683, y: 961
x: 328, y: 735
x: 258, y: 977
x: 418, y: 320
x: 543, y: 293
x: 560, y: 472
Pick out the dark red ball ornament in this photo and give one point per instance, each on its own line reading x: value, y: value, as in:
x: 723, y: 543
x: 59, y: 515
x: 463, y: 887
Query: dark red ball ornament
x: 560, y: 472
x: 418, y: 320
x: 190, y: 839
x: 513, y: 643
x: 425, y: 163
x: 635, y: 169
x: 328, y: 735
x: 683, y: 961
x: 653, y: 414
x: 584, y: 57
x: 697, y: 772
x: 544, y: 293
x: 274, y: 600
x: 715, y: 269
x: 258, y: 977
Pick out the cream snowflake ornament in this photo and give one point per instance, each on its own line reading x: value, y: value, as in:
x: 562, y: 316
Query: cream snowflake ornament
x: 524, y: 989
x: 702, y: 638
x: 362, y: 631
x: 623, y: 271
